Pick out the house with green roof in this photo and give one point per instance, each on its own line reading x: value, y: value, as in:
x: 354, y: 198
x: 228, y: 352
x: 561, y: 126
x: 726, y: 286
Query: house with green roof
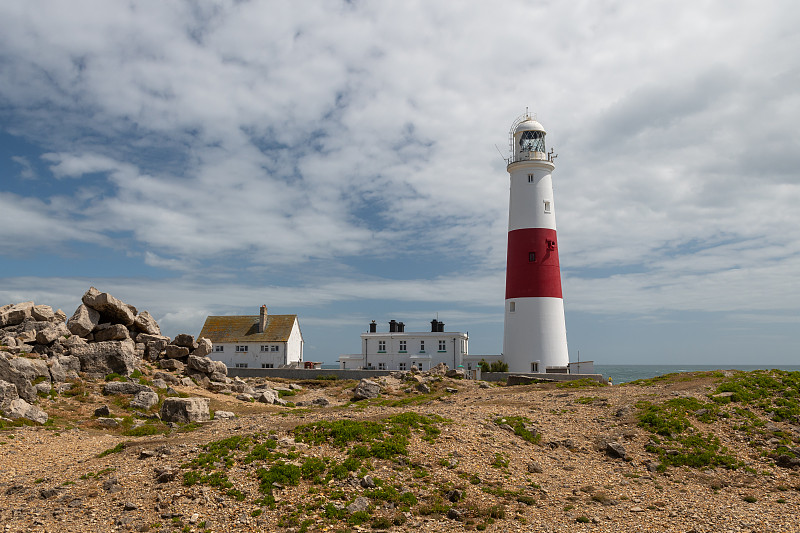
x: 255, y: 341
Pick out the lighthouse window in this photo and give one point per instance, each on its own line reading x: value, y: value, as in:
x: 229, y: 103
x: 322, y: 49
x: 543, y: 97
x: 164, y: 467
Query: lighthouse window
x: 547, y: 206
x: 531, y: 257
x: 512, y: 307
x: 530, y: 178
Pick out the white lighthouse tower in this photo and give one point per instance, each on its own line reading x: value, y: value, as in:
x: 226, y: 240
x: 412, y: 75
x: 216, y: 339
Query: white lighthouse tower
x: 535, y: 335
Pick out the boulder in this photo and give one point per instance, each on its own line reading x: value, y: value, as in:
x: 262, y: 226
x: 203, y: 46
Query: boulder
x: 112, y: 332
x: 154, y: 347
x: 83, y: 321
x: 197, y: 377
x: 360, y: 504
x: 14, y: 314
x: 185, y: 410
x: 216, y: 376
x: 187, y: 341
x: 268, y: 396
x: 173, y: 351
x: 204, y: 347
x: 223, y: 415
x: 69, y: 364
x: 145, y: 323
x: 172, y: 365
x: 51, y: 333
x: 201, y: 364
x: 117, y: 311
x: 60, y: 316
x: 615, y: 449
x: 221, y: 368
x: 43, y: 313
x: 103, y: 358
x: 19, y: 408
x: 366, y: 389
x: 125, y: 387
x: 10, y: 374
x: 31, y: 368
x: 144, y: 400
x: 8, y: 393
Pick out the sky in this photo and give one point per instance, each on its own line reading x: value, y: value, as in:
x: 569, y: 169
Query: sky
x: 343, y: 161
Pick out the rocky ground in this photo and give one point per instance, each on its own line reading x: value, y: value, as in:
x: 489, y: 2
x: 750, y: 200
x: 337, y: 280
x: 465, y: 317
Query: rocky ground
x: 476, y: 456
x: 107, y: 425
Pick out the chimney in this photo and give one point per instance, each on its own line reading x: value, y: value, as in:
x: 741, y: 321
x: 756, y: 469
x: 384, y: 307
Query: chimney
x: 373, y: 327
x: 262, y: 319
x: 401, y: 327
x: 393, y: 326
x: 434, y: 325
x: 441, y: 327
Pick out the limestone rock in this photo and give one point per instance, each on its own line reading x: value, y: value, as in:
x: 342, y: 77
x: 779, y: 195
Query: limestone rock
x: 187, y: 341
x: 145, y: 323
x: 223, y: 415
x: 124, y: 387
x: 115, y: 310
x: 173, y: 351
x: 204, y: 347
x: 221, y: 368
x: 15, y: 314
x: 83, y: 321
x: 51, y: 333
x: 113, y: 332
x: 43, y: 313
x: 360, y: 504
x: 10, y: 374
x: 615, y: 449
x: 171, y: 364
x: 268, y: 396
x: 366, y: 389
x: 106, y: 357
x: 19, y: 408
x: 8, y: 393
x: 201, y: 364
x: 144, y: 400
x: 31, y: 368
x: 185, y: 410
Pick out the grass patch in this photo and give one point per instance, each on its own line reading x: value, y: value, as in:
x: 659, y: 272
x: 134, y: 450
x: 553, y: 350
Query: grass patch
x: 522, y: 427
x: 116, y: 449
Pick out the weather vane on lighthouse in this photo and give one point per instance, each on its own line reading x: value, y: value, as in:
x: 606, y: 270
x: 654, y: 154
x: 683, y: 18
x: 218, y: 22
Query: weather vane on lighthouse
x: 535, y: 334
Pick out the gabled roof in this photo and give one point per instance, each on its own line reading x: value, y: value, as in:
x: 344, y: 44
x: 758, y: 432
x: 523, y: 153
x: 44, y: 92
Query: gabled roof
x: 219, y: 329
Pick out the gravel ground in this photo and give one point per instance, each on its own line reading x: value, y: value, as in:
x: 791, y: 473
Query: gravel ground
x: 52, y: 478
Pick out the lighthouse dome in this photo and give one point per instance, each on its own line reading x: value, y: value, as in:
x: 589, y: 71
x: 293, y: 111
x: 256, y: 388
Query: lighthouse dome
x: 529, y: 125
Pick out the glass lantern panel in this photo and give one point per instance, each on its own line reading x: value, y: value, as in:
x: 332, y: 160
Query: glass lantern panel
x: 532, y: 141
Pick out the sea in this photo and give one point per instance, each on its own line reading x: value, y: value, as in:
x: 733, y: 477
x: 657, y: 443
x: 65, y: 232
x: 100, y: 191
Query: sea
x: 626, y: 373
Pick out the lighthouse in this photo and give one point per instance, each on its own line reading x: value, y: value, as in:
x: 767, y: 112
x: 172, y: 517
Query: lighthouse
x: 535, y: 335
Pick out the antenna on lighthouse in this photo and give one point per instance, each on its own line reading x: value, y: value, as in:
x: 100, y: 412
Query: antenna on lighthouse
x: 505, y: 159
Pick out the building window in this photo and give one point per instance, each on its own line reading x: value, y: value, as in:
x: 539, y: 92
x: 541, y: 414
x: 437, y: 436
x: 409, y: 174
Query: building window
x: 535, y: 366
x: 512, y: 307
x: 241, y: 365
x: 381, y: 346
x: 274, y: 347
x: 442, y: 346
x: 401, y: 366
x: 530, y: 178
x: 219, y: 348
x: 531, y: 257
x: 547, y: 206
x: 267, y: 365
x: 241, y: 348
x: 403, y: 346
x: 381, y: 366
x: 421, y: 346
x: 264, y: 348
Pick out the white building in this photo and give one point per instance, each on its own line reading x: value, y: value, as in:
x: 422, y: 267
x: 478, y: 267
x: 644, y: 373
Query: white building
x: 255, y: 341
x: 398, y: 349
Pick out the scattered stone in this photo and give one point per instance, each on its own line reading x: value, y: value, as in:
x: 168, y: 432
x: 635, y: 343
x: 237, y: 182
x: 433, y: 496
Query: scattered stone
x: 366, y: 389
x: 223, y: 415
x: 535, y: 468
x: 124, y: 387
x: 322, y: 402
x: 19, y: 408
x: 367, y: 482
x: 455, y: 495
x: 423, y: 388
x: 360, y: 504
x: 455, y: 514
x: 102, y: 411
x: 615, y: 449
x: 144, y: 400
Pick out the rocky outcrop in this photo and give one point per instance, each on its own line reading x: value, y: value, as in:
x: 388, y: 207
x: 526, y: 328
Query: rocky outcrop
x: 19, y: 408
x: 83, y: 321
x: 116, y: 311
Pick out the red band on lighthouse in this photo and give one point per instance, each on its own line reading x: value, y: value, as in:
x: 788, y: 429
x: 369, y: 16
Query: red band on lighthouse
x: 532, y: 268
